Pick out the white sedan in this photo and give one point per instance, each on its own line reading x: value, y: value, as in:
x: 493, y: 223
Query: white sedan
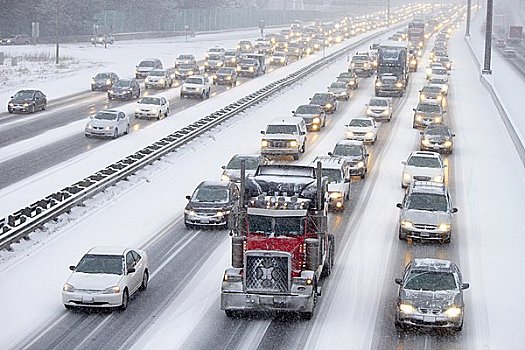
x: 106, y: 277
x: 152, y: 107
x: 362, y: 129
x: 423, y: 166
x: 107, y: 123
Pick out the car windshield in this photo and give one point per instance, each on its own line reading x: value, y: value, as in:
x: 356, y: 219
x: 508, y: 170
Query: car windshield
x: 103, y: 264
x: 123, y: 83
x: 102, y: 76
x: 432, y: 89
x: 430, y: 281
x: 308, y: 109
x: 378, y: 102
x: 157, y: 73
x: 282, y: 129
x: 348, y: 151
x: 186, y: 66
x: 250, y: 163
x: 361, y: 123
x: 427, y: 202
x: 439, y: 71
x: 437, y: 131
x: 230, y: 53
x: 225, y: 71
x: 425, y: 107
x: 194, y: 81
x: 320, y: 99
x: 215, y: 57
x: 147, y: 64
x: 249, y: 62
x: 424, y: 162
x: 24, y: 95
x: 334, y: 175
x: 150, y: 101
x: 359, y: 58
x: 279, y: 54
x: 186, y: 57
x: 338, y: 86
x: 105, y: 116
x: 210, y: 194
x: 276, y: 226
x: 345, y: 76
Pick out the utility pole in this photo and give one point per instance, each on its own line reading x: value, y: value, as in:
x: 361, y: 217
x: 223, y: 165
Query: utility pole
x: 388, y: 13
x: 488, y: 39
x: 469, y: 14
x: 57, y: 49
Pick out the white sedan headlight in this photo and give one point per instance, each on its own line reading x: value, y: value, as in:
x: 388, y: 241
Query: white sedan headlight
x: 406, y: 224
x: 316, y: 120
x: 448, y: 143
x: 360, y: 164
x: 445, y: 227
x: 438, y: 178
x: 369, y: 134
x: 264, y: 143
x: 112, y: 290
x: 68, y: 288
x: 225, y: 177
x: 407, y: 176
x: 426, y: 142
x: 137, y: 110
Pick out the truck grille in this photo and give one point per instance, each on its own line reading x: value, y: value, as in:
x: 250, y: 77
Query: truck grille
x: 267, y: 272
x: 425, y: 226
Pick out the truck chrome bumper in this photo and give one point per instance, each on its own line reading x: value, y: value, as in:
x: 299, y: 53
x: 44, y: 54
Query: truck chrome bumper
x: 266, y: 302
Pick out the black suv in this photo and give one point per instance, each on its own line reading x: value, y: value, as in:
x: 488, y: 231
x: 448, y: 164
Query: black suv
x: 28, y: 101
x: 325, y: 100
x: 103, y: 81
x: 437, y: 138
x: 124, y: 89
x: 211, y: 204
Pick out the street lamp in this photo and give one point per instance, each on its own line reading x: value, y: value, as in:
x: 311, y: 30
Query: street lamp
x: 467, y: 29
x: 488, y: 39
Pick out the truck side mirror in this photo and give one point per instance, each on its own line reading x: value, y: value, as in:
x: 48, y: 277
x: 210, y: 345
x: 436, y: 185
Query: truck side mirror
x: 188, y: 197
x: 263, y: 132
x: 223, y: 167
x: 399, y: 205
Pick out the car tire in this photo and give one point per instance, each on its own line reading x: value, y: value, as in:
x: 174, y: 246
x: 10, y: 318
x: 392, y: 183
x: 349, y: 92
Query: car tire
x: 447, y: 239
x: 125, y: 300
x: 138, y: 94
x: 159, y: 116
x: 296, y: 156
x: 115, y: 133
x: 208, y: 93
x: 145, y: 280
x: 203, y: 95
x: 167, y: 112
x: 32, y: 109
x: 127, y: 130
x: 10, y: 111
x: 402, y: 236
x: 109, y: 97
x: 303, y: 149
x: 44, y: 106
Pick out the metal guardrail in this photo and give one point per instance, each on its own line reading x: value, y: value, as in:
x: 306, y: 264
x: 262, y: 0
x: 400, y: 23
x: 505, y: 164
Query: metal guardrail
x: 20, y: 224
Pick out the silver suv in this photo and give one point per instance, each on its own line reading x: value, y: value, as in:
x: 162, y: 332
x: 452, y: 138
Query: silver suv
x: 426, y: 212
x: 430, y: 295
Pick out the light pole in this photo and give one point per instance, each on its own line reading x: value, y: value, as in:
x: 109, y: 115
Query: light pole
x: 469, y: 6
x: 488, y: 39
x: 57, y: 49
x: 388, y: 13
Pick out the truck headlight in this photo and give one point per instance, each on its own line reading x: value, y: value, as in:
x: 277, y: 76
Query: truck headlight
x: 453, y: 311
x: 448, y: 143
x: 378, y: 84
x: 264, y: 143
x: 112, y: 290
x: 293, y: 144
x: 425, y: 142
x: 407, y: 308
x: 438, y: 178
x: 316, y: 120
x: 360, y: 164
x: 406, y: 224
x: 336, y: 195
x: 444, y: 227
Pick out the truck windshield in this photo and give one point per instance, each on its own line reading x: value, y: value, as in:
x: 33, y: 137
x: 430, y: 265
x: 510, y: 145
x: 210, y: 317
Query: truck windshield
x: 334, y: 175
x: 276, y: 226
x: 282, y: 129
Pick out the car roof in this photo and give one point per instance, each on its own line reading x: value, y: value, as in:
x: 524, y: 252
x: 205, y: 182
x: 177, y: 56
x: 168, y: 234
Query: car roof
x: 246, y: 156
x: 27, y: 90
x: 376, y: 98
x: 362, y: 118
x: 211, y: 183
x: 286, y: 121
x: 433, y: 265
x: 107, y: 250
x: 328, y: 162
x: 425, y: 154
x: 110, y: 111
x: 350, y: 143
x: 427, y: 187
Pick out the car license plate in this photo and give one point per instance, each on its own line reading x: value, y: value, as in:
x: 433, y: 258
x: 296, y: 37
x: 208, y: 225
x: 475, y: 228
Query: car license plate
x: 266, y: 300
x: 425, y: 234
x: 88, y: 299
x: 205, y: 221
x: 431, y: 319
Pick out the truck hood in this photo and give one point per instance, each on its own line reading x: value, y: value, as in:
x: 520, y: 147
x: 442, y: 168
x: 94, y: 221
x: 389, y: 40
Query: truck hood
x: 92, y: 281
x: 426, y: 217
x: 281, y: 243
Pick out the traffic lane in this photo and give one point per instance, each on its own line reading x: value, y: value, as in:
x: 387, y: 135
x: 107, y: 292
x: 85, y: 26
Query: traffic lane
x: 33, y: 162
x: 173, y: 262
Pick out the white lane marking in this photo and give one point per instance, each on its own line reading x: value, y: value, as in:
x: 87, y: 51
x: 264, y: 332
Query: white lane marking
x: 47, y: 329
x: 93, y: 331
x: 166, y: 262
x: 252, y: 338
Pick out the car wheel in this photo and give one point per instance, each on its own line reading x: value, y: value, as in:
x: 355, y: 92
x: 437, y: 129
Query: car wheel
x: 203, y: 94
x: 447, y: 238
x: 167, y: 112
x: 125, y: 300
x: 44, y: 106
x: 296, y: 156
x: 115, y: 133
x: 458, y: 328
x: 127, y: 130
x: 32, y: 109
x: 159, y: 116
x: 10, y: 111
x: 138, y: 94
x: 109, y: 97
x: 92, y: 88
x: 145, y: 280
x: 401, y: 235
x: 324, y: 122
x: 303, y: 148
x: 69, y: 307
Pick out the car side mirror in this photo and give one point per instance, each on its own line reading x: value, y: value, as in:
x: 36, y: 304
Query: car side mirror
x: 72, y: 267
x: 330, y: 154
x: 188, y: 197
x: 131, y: 270
x: 403, y: 162
x: 421, y: 133
x: 293, y: 112
x: 398, y: 281
x: 302, y: 133
x: 453, y: 135
x: 444, y: 112
x: 310, y: 99
x: 414, y: 109
x: 399, y: 205
x: 223, y: 167
x: 263, y: 132
x: 465, y: 286
x: 454, y: 210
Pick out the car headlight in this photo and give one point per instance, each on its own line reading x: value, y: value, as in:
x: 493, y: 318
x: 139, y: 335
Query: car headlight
x: 407, y: 308
x: 316, y: 120
x: 190, y: 72
x: 369, y: 134
x: 438, y: 120
x: 293, y: 144
x: 328, y: 105
x: 365, y: 65
x: 26, y: 104
x: 444, y: 227
x: 422, y: 97
x: 137, y: 110
x: 413, y: 62
x: 360, y: 164
x: 112, y: 290
x: 439, y: 98
x: 109, y: 127
x: 336, y: 195
x: 251, y: 69
x: 438, y: 178
x: 189, y: 212
x: 108, y: 81
x: 11, y: 104
x: 425, y: 142
x: 282, y: 59
x: 264, y: 143
x: 453, y: 311
x: 229, y: 77
x: 406, y: 224
x: 111, y: 91
x: 154, y: 111
x: 68, y: 288
x: 448, y: 143
x: 399, y: 84
x: 93, y: 81
x: 162, y: 81
x: 378, y: 84
x: 225, y: 177
x: 419, y: 117
x: 206, y: 63
x: 407, y: 176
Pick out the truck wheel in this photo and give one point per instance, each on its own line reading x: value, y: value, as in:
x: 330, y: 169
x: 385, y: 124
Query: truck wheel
x: 309, y: 314
x: 402, y: 236
x: 296, y: 156
x: 232, y: 313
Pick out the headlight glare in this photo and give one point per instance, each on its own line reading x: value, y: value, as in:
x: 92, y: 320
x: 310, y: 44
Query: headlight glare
x: 407, y: 308
x: 453, y: 311
x: 68, y: 288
